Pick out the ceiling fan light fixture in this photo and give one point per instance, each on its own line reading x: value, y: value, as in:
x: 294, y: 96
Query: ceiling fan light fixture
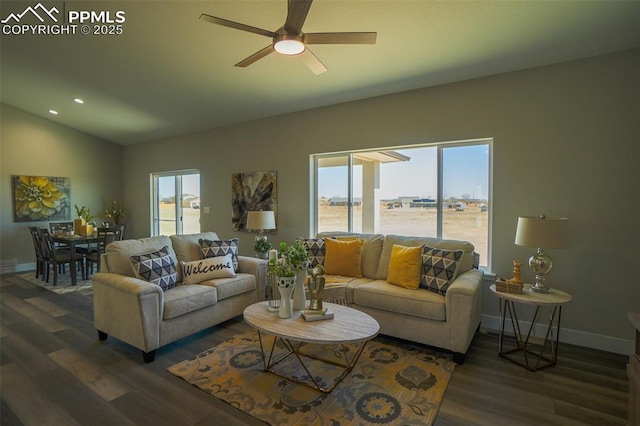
x: 289, y: 44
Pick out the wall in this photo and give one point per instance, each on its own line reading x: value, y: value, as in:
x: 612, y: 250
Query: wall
x: 31, y: 145
x: 566, y: 143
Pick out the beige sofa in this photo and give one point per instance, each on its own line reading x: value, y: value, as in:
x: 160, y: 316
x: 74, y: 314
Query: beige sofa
x: 445, y: 321
x: 143, y: 315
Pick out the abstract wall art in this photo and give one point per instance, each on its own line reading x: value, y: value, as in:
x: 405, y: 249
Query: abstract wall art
x: 252, y: 191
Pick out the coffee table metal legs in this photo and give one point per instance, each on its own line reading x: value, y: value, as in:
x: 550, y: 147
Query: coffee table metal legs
x: 293, y: 348
x: 533, y: 360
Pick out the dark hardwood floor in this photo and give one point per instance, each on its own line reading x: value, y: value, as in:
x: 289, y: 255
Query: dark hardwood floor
x: 54, y: 371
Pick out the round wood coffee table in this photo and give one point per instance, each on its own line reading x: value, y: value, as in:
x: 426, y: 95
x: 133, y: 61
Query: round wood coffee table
x: 348, y: 326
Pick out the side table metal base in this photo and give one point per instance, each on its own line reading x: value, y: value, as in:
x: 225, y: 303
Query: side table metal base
x: 533, y: 360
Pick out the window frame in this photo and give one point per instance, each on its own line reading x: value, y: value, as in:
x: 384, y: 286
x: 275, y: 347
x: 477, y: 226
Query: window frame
x: 441, y: 146
x: 178, y: 190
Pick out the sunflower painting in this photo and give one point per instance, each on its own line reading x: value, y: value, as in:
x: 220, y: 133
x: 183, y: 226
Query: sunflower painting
x: 40, y: 198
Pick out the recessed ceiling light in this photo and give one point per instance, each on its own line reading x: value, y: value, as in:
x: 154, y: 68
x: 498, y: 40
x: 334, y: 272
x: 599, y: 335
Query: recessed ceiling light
x: 78, y: 100
x: 53, y: 111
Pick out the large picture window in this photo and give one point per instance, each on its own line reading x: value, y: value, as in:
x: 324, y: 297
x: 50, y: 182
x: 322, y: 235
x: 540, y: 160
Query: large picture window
x: 436, y: 190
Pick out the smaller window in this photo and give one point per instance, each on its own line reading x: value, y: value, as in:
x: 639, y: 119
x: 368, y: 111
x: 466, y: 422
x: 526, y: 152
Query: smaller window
x: 176, y: 203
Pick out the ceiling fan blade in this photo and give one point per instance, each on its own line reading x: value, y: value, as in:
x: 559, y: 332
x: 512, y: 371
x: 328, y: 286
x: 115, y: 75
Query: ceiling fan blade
x: 236, y: 25
x: 296, y: 15
x: 311, y: 61
x: 256, y: 56
x: 340, y: 38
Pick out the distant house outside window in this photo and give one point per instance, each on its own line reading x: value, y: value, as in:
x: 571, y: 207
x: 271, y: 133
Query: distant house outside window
x: 437, y: 190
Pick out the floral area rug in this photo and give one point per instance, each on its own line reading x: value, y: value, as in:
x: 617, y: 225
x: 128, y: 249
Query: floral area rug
x: 392, y: 383
x: 63, y: 285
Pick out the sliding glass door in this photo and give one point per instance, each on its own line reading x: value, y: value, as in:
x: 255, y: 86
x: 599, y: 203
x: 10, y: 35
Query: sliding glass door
x: 176, y: 203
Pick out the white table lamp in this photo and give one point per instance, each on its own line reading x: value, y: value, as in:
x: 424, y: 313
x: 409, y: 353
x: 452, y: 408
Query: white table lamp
x: 542, y: 233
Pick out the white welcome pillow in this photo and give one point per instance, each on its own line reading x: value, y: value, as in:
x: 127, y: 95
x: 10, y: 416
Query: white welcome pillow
x: 206, y: 269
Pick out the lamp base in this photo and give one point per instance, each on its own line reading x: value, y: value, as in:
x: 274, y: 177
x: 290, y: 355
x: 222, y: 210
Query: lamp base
x: 540, y: 263
x: 540, y: 288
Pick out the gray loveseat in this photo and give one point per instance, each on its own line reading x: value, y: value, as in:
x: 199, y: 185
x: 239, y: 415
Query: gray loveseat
x: 141, y: 314
x: 445, y: 321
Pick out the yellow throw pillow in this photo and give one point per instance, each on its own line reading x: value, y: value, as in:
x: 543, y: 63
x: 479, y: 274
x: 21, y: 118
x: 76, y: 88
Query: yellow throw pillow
x: 343, y: 257
x: 405, y: 266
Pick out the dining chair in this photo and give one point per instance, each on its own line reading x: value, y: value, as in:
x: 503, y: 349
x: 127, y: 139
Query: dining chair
x: 105, y: 236
x: 55, y: 259
x: 56, y: 228
x: 37, y: 245
x: 59, y: 227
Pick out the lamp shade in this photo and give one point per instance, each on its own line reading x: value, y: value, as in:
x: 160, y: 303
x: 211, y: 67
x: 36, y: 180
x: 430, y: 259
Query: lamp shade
x: 261, y: 220
x: 543, y: 232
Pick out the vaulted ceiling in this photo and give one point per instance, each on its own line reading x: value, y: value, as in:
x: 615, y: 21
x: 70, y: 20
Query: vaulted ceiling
x: 170, y: 73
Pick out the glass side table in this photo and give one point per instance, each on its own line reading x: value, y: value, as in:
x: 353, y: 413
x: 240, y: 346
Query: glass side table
x: 527, y: 354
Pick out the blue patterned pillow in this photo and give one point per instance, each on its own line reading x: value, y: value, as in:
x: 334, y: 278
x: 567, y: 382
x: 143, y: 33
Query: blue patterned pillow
x: 316, y: 249
x: 157, y: 267
x: 221, y: 248
x: 439, y: 268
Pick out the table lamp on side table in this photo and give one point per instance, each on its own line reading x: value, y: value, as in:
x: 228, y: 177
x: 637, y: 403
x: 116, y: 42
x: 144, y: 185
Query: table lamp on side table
x: 542, y: 233
x: 261, y: 220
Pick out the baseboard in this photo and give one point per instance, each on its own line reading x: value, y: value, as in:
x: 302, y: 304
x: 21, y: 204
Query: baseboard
x: 22, y: 267
x: 573, y: 337
x: 25, y: 267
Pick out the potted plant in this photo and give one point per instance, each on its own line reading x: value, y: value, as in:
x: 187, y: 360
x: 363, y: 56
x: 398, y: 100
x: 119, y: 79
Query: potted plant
x: 116, y: 212
x: 81, y: 226
x: 292, y: 259
x: 261, y: 246
x: 84, y: 213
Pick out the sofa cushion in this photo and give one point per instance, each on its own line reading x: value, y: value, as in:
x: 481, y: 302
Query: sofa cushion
x: 316, y: 249
x: 157, y: 267
x: 371, y: 249
x: 183, y: 299
x: 187, y: 246
x: 420, y: 303
x: 466, y: 262
x: 439, y: 268
x: 118, y: 253
x: 405, y: 266
x: 211, y: 248
x: 228, y: 287
x: 206, y: 269
x: 343, y: 257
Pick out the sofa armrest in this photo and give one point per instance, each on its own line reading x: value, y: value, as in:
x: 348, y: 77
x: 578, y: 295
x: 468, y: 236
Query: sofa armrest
x: 464, y: 308
x: 257, y: 267
x: 128, y: 308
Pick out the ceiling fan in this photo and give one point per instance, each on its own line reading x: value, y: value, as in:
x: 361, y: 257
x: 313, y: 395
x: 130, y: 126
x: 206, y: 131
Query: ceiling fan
x: 290, y: 40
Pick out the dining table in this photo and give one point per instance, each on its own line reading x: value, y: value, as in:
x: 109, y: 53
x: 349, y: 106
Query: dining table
x: 72, y: 241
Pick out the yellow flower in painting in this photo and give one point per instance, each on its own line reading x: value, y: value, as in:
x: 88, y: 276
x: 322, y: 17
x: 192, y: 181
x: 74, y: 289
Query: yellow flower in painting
x: 37, y: 197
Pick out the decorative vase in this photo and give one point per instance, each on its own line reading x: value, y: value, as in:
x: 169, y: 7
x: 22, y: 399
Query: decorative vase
x: 299, y: 296
x: 78, y: 224
x: 316, y: 290
x: 285, y: 286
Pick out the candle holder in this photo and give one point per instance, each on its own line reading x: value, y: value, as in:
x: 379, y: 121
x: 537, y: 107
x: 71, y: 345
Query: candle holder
x: 273, y: 293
